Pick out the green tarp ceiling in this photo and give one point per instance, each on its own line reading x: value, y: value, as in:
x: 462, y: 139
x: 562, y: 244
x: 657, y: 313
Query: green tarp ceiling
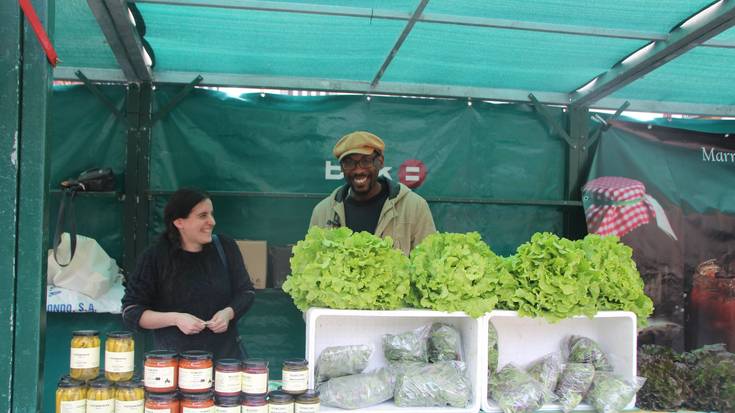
x: 499, y: 49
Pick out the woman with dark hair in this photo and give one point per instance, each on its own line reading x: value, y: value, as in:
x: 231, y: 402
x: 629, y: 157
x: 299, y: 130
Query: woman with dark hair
x: 191, y: 287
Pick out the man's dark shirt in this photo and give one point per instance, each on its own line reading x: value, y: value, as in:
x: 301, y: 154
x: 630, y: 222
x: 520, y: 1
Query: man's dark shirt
x: 364, y: 215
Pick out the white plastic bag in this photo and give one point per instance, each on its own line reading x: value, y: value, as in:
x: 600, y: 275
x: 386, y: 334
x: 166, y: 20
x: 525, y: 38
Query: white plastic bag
x: 90, y: 272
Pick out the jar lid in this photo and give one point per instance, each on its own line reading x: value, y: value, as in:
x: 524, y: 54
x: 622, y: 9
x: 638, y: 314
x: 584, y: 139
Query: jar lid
x: 197, y: 397
x: 161, y: 397
x: 228, y: 362
x: 161, y: 354
x: 67, y: 381
x: 255, y: 363
x: 134, y: 383
x: 309, y: 395
x: 119, y: 334
x: 85, y: 333
x: 227, y: 401
x: 279, y: 396
x: 295, y: 362
x: 100, y: 383
x: 196, y: 355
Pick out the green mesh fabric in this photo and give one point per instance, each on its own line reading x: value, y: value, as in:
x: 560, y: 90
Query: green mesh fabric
x: 78, y: 38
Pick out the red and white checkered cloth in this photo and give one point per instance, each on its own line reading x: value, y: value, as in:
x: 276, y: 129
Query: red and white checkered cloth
x: 615, y: 206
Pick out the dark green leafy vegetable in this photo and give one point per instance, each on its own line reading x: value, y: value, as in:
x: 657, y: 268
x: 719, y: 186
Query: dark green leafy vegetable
x: 610, y: 393
x: 357, y: 391
x: 433, y: 385
x: 408, y: 346
x: 516, y: 391
x: 546, y: 370
x: 585, y: 350
x: 573, y: 385
x: 666, y: 386
x: 711, y: 379
x: 445, y: 343
x: 340, y: 361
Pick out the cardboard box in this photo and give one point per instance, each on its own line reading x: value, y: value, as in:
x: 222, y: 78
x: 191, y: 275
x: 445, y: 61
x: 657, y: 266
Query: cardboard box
x: 255, y: 255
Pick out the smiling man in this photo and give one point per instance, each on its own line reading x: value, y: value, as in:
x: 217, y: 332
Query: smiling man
x: 371, y: 203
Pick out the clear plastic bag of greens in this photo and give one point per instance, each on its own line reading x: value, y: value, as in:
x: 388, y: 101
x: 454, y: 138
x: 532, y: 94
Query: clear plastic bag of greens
x: 434, y: 385
x: 585, y: 350
x: 547, y: 370
x: 445, y: 343
x: 573, y: 384
x: 492, y: 348
x: 341, y: 361
x: 515, y: 391
x: 358, y: 390
x: 610, y: 393
x: 409, y: 346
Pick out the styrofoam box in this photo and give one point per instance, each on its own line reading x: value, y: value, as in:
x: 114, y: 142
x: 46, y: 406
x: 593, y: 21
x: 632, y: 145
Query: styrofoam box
x: 327, y: 327
x: 522, y: 340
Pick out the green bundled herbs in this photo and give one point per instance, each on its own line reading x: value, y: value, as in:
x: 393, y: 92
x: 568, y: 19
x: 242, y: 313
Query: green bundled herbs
x: 492, y: 348
x: 711, y: 379
x: 338, y: 361
x: 516, y: 391
x: 337, y: 268
x: 358, y: 390
x: 458, y: 272
x: 573, y: 385
x: 408, y: 346
x: 433, y: 385
x: 546, y: 370
x: 666, y: 386
x: 559, y: 278
x: 445, y: 343
x: 585, y: 350
x: 610, y: 393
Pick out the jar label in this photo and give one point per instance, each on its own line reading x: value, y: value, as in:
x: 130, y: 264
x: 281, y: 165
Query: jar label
x: 195, y: 379
x: 76, y: 406
x: 225, y: 382
x: 280, y: 408
x: 255, y: 409
x: 307, y: 408
x: 255, y: 383
x: 169, y: 410
x: 119, y: 361
x: 295, y: 381
x: 101, y: 406
x: 158, y: 377
x: 222, y: 409
x: 85, y: 358
x: 209, y: 409
x: 129, y: 406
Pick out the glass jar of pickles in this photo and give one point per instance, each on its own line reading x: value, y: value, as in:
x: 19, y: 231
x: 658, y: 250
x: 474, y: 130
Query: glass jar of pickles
x: 295, y: 375
x: 84, y: 355
x: 130, y: 397
x: 100, y: 396
x: 119, y: 356
x: 71, y: 396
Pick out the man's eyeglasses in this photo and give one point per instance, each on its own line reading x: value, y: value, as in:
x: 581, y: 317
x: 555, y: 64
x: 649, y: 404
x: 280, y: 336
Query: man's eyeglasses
x: 366, y: 162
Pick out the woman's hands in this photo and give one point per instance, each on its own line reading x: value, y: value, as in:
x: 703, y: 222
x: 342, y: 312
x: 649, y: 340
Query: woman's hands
x: 221, y: 320
x: 188, y: 324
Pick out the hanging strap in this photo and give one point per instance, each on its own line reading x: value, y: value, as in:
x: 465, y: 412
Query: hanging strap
x: 67, y: 197
x: 220, y: 251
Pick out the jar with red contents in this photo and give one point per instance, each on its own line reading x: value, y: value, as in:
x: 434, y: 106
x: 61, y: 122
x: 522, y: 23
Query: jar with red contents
x: 227, y: 404
x: 160, y: 371
x: 255, y: 376
x: 195, y: 371
x: 227, y: 377
x: 254, y: 403
x: 197, y: 402
x: 162, y: 403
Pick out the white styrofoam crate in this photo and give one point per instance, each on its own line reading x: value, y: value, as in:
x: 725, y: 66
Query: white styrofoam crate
x: 522, y: 340
x: 327, y: 327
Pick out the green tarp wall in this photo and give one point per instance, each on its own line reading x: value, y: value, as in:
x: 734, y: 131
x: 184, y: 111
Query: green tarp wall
x: 261, y: 150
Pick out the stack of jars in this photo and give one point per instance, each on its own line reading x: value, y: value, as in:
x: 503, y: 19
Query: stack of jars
x: 85, y: 390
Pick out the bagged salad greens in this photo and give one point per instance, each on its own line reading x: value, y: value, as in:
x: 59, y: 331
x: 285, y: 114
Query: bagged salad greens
x: 358, y: 390
x: 445, y: 343
x: 440, y: 384
x: 585, y: 350
x: 516, y: 391
x: 547, y: 370
x: 610, y: 393
x: 408, y: 346
x: 573, y: 384
x: 341, y: 361
x: 492, y: 349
